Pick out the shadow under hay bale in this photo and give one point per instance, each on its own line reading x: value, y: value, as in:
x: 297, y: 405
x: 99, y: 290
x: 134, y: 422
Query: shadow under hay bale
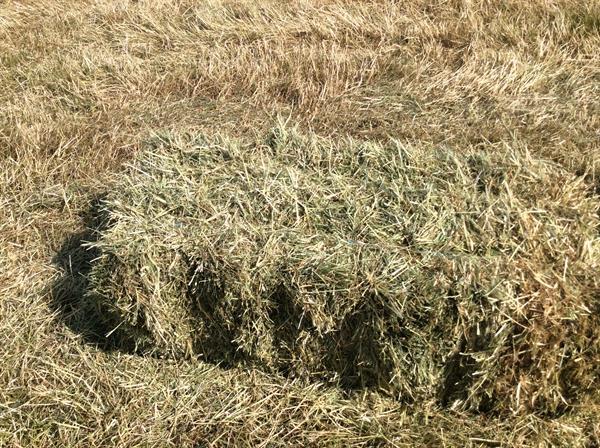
x: 425, y: 274
x: 68, y: 293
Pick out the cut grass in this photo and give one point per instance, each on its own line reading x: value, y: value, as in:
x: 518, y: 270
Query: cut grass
x: 84, y: 83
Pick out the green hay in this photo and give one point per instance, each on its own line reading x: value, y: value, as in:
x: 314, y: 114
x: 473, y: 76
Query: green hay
x: 423, y: 273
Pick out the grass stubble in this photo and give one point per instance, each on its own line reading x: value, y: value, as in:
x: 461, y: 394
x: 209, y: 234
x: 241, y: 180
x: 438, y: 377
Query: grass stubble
x: 84, y: 84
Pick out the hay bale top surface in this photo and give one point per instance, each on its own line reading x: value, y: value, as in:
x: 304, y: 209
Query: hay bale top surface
x: 422, y: 272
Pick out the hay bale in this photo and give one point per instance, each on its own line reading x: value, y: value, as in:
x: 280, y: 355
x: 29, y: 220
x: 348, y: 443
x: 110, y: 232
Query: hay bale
x: 468, y: 278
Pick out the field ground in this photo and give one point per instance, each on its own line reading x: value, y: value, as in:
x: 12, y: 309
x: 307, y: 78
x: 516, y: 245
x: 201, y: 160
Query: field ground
x: 83, y: 84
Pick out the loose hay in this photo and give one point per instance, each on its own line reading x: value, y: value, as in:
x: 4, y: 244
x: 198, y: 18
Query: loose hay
x: 424, y: 273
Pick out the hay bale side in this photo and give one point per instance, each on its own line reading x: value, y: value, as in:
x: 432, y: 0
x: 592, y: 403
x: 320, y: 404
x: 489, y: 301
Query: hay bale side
x: 422, y: 272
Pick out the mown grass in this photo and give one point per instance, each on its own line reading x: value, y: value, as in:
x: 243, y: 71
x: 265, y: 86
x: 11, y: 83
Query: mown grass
x: 83, y: 84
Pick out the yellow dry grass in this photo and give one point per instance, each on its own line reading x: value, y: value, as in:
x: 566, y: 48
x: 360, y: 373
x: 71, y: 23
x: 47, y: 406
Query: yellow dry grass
x: 84, y: 83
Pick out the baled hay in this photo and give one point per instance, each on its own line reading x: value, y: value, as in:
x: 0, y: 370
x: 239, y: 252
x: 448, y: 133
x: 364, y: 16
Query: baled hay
x: 425, y: 273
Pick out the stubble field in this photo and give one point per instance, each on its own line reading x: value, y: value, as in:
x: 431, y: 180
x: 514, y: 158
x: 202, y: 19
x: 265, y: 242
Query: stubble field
x: 86, y: 87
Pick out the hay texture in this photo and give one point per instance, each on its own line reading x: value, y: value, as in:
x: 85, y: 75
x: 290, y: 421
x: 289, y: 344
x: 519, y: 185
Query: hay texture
x: 467, y: 278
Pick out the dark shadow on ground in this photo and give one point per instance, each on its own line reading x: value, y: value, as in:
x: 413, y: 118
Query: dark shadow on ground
x: 68, y: 293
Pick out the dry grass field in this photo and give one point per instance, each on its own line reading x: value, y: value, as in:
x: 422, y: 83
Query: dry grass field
x: 86, y: 86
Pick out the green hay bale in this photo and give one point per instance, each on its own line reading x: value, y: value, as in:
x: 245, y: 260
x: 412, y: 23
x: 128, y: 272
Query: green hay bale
x: 424, y: 273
